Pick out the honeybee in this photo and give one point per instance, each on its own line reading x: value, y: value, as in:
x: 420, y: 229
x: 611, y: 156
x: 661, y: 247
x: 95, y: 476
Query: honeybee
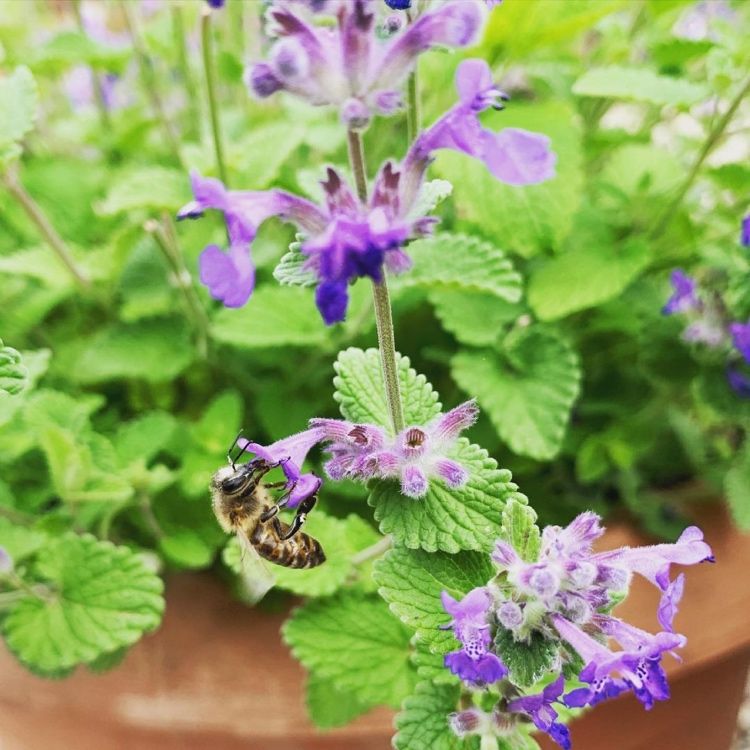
x: 244, y: 505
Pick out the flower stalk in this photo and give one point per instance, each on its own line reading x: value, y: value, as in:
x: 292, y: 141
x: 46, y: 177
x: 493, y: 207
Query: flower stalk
x: 381, y: 299
x: 42, y: 223
x: 213, y: 107
x: 178, y: 32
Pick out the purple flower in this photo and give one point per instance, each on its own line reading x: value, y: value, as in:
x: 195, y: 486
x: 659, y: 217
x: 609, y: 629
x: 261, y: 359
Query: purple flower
x: 473, y: 662
x: 539, y: 708
x: 745, y: 232
x: 638, y: 664
x: 291, y: 452
x: 216, y: 3
x: 230, y: 277
x: 739, y: 382
x: 684, y: 297
x: 398, y: 4
x: 417, y: 454
x: 6, y: 562
x: 334, y: 64
x: 515, y: 156
x: 741, y: 339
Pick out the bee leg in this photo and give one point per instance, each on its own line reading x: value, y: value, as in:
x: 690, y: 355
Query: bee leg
x: 276, y: 485
x: 304, y: 508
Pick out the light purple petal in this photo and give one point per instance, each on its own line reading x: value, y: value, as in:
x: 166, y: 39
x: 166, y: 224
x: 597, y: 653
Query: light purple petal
x: 448, y: 426
x: 519, y: 157
x: 473, y: 78
x: 230, y: 277
x: 452, y: 473
x: 414, y: 483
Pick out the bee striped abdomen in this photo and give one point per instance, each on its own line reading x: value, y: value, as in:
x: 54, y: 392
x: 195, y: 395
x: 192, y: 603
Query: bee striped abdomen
x: 301, y: 551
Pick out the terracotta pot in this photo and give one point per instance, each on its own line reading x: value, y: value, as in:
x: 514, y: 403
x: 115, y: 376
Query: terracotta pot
x: 216, y: 676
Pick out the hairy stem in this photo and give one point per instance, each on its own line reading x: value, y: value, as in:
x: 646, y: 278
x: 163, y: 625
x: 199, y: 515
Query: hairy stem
x: 375, y: 550
x: 148, y: 79
x: 163, y: 234
x: 38, y: 217
x: 713, y: 138
x: 381, y: 300
x: 412, y: 109
x: 178, y: 33
x: 213, y: 107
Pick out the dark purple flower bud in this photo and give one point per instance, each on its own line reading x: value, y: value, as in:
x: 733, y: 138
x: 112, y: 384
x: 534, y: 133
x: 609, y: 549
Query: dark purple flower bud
x: 745, y: 233
x: 741, y: 338
x: 355, y: 115
x: 398, y: 4
x: 332, y: 299
x: 471, y: 721
x: 685, y: 294
x: 216, y: 3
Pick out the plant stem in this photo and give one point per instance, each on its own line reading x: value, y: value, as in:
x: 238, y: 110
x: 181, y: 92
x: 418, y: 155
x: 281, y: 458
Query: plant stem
x: 148, y: 79
x: 213, y: 107
x: 713, y: 138
x: 101, y: 103
x: 163, y: 234
x: 178, y: 32
x: 34, y: 212
x: 412, y: 110
x: 381, y: 300
x: 375, y: 550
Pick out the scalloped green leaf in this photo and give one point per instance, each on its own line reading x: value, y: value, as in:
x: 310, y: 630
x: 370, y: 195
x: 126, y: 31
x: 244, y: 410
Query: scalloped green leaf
x: 528, y: 389
x: 154, y: 188
x: 330, y: 707
x: 13, y: 373
x: 291, y: 270
x: 423, y: 722
x: 457, y: 261
x: 519, y: 529
x: 639, y: 84
x: 19, y: 103
x: 360, y: 392
x: 448, y: 519
x: 411, y: 581
x: 20, y: 542
x: 529, y: 661
x: 353, y: 640
x: 100, y: 599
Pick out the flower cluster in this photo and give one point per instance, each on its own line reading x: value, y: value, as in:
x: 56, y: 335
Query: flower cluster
x: 566, y: 597
x: 709, y: 324
x: 349, y: 236
x: 362, y: 452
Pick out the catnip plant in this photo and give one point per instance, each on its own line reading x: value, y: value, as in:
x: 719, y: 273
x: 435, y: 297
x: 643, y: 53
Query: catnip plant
x: 463, y: 562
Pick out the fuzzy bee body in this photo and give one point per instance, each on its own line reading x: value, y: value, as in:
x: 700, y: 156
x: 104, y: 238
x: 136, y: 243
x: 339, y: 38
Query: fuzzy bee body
x: 241, y: 502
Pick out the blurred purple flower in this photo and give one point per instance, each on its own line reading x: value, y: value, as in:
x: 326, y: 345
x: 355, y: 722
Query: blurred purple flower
x: 6, y: 562
x: 741, y: 339
x: 398, y: 4
x: 230, y: 277
x: 216, y: 3
x: 685, y: 296
x: 739, y: 382
x: 745, y: 232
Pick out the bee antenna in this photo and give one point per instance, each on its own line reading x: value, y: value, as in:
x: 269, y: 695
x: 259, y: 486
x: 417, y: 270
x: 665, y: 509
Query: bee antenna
x: 231, y: 447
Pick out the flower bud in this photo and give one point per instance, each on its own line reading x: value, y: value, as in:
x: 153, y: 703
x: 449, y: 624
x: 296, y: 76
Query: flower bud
x: 261, y: 80
x: 355, y: 115
x: 510, y: 615
x: 289, y: 60
x: 471, y: 721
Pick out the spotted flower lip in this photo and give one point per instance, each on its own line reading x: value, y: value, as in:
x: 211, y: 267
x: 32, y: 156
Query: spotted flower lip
x: 290, y: 453
x: 416, y: 455
x: 332, y: 65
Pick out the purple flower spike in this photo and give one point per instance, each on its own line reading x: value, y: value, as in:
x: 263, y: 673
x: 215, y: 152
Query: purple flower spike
x: 515, y: 156
x: 539, y: 708
x: 291, y: 452
x: 230, y: 277
x: 745, y: 232
x: 741, y: 338
x: 685, y: 294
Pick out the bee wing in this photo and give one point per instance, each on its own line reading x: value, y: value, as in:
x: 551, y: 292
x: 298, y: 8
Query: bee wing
x: 257, y: 578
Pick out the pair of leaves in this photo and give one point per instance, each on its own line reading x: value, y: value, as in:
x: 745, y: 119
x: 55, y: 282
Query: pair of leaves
x: 445, y: 519
x: 528, y: 387
x: 93, y: 599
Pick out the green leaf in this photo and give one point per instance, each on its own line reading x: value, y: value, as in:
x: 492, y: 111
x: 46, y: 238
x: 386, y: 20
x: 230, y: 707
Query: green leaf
x: 528, y: 389
x: 102, y: 598
x: 430, y: 196
x: 154, y: 350
x: 737, y: 489
x: 474, y: 318
x: 340, y: 539
x: 76, y: 48
x: 274, y: 316
x: 529, y: 218
x: 222, y: 417
x: 353, y: 640
x: 19, y: 102
x: 527, y: 662
x: 457, y: 261
x: 423, y: 722
x: 187, y: 549
x: 520, y: 529
x: 431, y: 666
x: 638, y: 84
x: 291, y: 271
x: 411, y: 581
x: 448, y: 519
x: 13, y: 374
x: 141, y: 439
x: 360, y: 392
x: 154, y: 188
x: 20, y: 542
x: 595, y: 270
x: 330, y: 707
